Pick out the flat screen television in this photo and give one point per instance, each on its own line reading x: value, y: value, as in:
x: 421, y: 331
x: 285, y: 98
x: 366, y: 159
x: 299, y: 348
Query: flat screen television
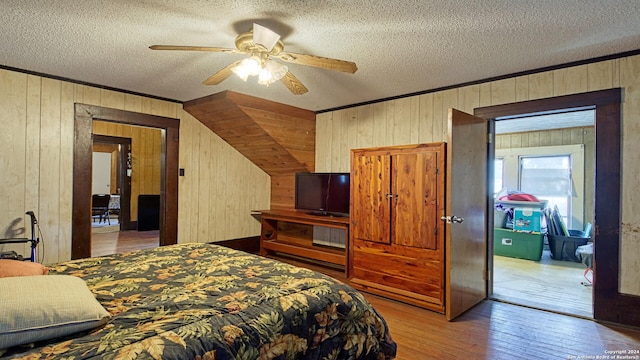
x: 323, y: 193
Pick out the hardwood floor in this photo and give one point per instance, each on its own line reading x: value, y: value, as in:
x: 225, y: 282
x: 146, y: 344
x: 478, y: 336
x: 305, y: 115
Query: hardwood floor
x: 546, y: 284
x: 490, y: 330
x: 123, y: 241
x: 493, y: 330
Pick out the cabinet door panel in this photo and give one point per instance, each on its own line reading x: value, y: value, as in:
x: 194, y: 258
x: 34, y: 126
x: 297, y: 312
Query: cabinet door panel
x: 370, y: 187
x: 415, y: 213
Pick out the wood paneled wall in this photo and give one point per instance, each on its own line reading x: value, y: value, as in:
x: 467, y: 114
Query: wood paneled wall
x: 146, y: 150
x: 220, y: 187
x: 423, y: 118
x: 216, y: 195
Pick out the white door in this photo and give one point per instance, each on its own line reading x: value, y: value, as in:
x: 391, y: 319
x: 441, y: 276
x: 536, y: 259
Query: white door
x: 101, y: 178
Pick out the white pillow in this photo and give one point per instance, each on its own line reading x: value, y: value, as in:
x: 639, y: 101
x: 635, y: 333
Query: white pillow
x: 35, y: 308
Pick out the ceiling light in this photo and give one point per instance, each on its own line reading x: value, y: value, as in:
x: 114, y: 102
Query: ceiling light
x: 268, y: 72
x: 278, y: 70
x: 265, y: 77
x: 248, y: 67
x: 272, y: 72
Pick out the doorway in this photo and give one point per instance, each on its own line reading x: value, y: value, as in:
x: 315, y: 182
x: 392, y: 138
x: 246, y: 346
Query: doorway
x: 120, y: 182
x: 550, y: 157
x: 82, y: 168
x: 606, y: 104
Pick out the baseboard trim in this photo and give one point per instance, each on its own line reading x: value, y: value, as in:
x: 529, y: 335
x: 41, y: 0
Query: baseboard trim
x: 628, y: 313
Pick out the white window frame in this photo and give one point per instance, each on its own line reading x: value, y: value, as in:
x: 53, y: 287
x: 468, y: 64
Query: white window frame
x: 511, y: 173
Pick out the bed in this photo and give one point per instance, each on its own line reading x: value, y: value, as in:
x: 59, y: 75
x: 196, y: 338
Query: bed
x: 203, y: 301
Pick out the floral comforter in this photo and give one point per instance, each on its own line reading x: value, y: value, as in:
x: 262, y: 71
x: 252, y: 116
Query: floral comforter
x: 202, y: 301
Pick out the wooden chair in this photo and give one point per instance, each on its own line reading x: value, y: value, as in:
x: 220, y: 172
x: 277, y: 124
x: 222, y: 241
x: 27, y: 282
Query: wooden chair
x: 100, y: 207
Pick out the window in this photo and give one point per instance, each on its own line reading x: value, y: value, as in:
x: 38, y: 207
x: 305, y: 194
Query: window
x: 552, y: 173
x: 498, y: 177
x: 548, y: 178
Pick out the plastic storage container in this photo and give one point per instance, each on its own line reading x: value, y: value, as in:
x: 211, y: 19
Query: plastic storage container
x: 564, y: 247
x: 526, y: 219
x: 517, y: 244
x: 499, y: 219
x: 527, y: 215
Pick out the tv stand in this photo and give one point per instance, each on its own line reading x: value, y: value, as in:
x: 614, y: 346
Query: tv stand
x: 317, y: 213
x: 325, y: 214
x: 291, y: 232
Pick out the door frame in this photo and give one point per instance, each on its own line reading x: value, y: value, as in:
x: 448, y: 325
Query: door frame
x: 82, y: 168
x: 608, y: 303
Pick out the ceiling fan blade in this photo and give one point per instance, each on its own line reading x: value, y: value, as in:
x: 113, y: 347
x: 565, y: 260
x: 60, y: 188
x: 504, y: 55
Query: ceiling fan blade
x: 293, y: 84
x: 319, y: 62
x: 264, y: 36
x: 193, y: 48
x: 221, y: 75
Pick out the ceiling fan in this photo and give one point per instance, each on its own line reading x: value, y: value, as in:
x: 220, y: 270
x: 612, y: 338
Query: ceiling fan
x: 262, y: 45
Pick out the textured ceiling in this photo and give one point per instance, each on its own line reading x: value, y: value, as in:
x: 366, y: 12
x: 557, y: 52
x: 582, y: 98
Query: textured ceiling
x: 400, y: 47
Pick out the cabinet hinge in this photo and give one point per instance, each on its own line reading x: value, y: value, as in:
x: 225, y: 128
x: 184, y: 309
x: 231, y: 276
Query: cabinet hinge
x: 437, y: 171
x: 435, y: 231
x: 489, y: 138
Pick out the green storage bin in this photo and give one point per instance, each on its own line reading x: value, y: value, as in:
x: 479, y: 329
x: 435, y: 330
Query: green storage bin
x: 515, y: 244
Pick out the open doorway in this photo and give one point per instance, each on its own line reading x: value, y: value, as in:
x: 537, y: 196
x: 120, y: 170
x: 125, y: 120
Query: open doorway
x: 133, y: 167
x: 110, y: 175
x: 551, y: 157
x: 82, y: 168
x: 607, y: 300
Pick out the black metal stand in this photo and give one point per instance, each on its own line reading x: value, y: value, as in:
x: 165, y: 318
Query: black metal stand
x: 33, y: 240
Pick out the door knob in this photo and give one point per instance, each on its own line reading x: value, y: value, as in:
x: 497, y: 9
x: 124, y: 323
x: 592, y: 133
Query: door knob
x: 452, y: 219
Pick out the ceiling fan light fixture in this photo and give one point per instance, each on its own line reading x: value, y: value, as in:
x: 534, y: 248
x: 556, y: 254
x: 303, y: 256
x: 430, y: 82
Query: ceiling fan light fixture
x: 261, y: 44
x: 247, y: 67
x: 265, y: 77
x: 271, y: 72
x: 265, y: 36
x: 277, y: 70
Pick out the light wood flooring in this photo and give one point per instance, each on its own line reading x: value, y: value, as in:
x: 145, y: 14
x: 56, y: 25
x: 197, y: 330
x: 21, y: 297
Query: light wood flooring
x: 106, y: 243
x: 493, y: 330
x: 546, y: 284
x: 490, y: 330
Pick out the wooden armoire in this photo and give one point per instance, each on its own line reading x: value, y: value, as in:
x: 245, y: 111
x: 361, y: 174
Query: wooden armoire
x: 396, y: 244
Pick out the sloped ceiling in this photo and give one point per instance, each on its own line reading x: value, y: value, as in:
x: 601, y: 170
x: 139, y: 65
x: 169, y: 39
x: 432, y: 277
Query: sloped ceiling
x: 278, y: 138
